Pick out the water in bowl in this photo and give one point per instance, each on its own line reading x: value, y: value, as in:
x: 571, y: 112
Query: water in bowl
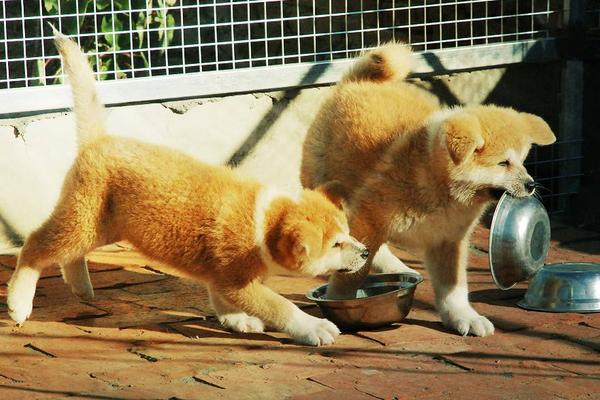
x: 371, y: 291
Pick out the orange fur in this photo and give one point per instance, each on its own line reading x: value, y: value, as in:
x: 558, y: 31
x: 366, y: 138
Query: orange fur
x: 198, y: 221
x: 415, y: 173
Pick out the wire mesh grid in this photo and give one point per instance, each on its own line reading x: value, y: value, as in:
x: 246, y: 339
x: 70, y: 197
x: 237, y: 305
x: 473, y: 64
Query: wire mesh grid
x: 546, y: 166
x: 148, y: 38
x: 140, y: 38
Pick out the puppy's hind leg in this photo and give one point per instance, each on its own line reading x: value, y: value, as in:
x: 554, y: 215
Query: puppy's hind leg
x: 386, y: 262
x: 21, y: 286
x: 232, y: 317
x: 38, y: 253
x: 76, y: 274
x: 69, y: 233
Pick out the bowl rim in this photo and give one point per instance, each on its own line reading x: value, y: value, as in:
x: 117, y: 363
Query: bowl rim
x: 419, y: 279
x: 525, y: 305
x: 563, y: 263
x: 500, y: 206
x: 495, y: 218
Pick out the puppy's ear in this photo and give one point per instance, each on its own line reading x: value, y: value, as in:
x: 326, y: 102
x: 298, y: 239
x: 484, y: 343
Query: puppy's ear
x: 295, y: 244
x: 539, y: 131
x: 335, y: 191
x: 463, y: 136
x: 289, y: 249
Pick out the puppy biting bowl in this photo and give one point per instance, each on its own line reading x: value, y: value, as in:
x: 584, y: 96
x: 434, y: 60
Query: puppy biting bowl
x: 382, y: 300
x: 519, y: 240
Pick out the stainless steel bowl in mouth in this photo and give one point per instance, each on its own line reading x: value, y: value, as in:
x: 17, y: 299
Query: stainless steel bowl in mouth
x: 564, y: 287
x: 381, y: 300
x: 519, y: 240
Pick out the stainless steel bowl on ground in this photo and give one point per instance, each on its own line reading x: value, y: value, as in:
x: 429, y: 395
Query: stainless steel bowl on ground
x: 382, y: 300
x: 564, y: 287
x: 519, y: 240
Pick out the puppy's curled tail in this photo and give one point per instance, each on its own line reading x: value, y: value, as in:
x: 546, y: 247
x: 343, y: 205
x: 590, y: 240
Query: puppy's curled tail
x: 392, y: 61
x: 89, y: 112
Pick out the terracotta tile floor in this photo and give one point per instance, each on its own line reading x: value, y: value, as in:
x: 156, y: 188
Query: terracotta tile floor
x: 151, y: 336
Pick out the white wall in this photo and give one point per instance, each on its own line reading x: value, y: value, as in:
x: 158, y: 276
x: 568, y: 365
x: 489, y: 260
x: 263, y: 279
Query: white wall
x: 33, y: 165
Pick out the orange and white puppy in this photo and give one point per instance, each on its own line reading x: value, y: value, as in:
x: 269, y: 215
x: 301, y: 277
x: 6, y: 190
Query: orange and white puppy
x: 417, y: 175
x: 198, y: 221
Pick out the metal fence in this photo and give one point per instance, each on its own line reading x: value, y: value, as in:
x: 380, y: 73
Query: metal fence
x: 144, y: 50
x: 301, y: 42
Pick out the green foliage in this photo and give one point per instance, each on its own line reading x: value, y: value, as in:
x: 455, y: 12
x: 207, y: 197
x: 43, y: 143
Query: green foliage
x: 156, y: 16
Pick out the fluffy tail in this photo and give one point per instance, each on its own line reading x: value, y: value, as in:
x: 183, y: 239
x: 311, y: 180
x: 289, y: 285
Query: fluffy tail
x: 392, y: 61
x: 89, y: 112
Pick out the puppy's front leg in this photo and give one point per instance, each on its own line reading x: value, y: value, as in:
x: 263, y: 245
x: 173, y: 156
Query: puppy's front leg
x: 232, y: 317
x: 447, y: 266
x: 258, y: 300
x: 365, y: 226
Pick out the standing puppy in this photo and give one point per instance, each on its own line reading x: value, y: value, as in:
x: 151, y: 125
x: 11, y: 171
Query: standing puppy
x: 417, y: 174
x: 200, y: 221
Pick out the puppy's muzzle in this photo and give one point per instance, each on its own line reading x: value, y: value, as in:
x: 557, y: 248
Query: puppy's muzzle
x: 530, y: 186
x: 363, y: 252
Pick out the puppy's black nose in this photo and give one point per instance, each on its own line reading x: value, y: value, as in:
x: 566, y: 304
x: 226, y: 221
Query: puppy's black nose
x: 365, y: 254
x: 530, y: 186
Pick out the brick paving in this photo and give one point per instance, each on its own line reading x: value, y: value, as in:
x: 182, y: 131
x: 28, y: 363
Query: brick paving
x: 152, y: 336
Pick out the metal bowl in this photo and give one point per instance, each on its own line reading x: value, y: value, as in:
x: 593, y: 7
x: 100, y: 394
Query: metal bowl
x: 382, y: 300
x: 519, y: 240
x: 564, y: 287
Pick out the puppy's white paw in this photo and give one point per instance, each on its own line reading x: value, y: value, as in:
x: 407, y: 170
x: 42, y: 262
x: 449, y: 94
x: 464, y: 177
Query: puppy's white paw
x: 468, y: 322
x: 19, y: 308
x: 242, y: 322
x: 21, y: 289
x: 313, y: 331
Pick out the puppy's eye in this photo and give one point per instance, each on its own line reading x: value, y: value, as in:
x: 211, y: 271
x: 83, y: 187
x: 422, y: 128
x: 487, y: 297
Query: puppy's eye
x: 337, y: 244
x: 504, y: 163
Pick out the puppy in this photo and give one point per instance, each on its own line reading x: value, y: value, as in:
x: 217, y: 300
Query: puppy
x: 199, y: 221
x: 417, y: 174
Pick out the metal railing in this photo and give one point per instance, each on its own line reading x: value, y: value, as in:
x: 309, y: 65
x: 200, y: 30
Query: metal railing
x: 202, y: 48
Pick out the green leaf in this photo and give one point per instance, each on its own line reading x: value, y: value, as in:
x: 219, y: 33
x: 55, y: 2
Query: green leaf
x: 140, y: 25
x: 105, y: 66
x: 119, y: 74
x: 51, y: 5
x: 161, y: 20
x: 145, y: 60
x: 83, y: 10
x: 102, y: 4
x: 57, y: 77
x: 121, y: 5
x: 170, y: 24
x: 107, y: 28
x: 40, y: 71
